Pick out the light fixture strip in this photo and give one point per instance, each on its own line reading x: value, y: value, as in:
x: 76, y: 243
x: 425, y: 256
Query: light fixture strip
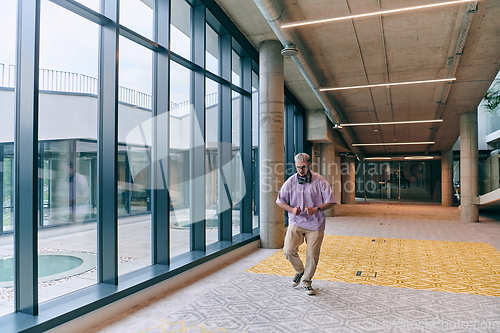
x: 387, y: 84
x: 380, y: 12
x: 394, y: 123
x: 393, y: 144
x: 377, y: 158
x: 419, y: 157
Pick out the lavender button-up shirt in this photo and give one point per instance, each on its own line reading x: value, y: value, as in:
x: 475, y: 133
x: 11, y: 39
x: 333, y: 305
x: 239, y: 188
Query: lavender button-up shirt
x: 312, y: 194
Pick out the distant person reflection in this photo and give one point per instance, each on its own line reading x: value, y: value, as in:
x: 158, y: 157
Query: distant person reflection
x: 79, y: 195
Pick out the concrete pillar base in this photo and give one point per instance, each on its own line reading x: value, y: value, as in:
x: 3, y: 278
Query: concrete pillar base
x: 469, y: 213
x: 272, y: 235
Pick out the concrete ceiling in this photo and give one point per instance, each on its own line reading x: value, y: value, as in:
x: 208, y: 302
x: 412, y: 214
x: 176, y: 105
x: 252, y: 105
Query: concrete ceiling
x: 407, y: 46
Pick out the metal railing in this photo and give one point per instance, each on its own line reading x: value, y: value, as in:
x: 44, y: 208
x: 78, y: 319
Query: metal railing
x: 70, y: 82
x: 61, y: 81
x: 8, y: 76
x: 179, y: 109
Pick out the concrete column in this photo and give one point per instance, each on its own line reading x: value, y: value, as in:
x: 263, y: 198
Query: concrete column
x: 469, y: 167
x: 491, y: 180
x: 349, y: 176
x: 271, y: 143
x: 447, y: 178
x: 328, y: 169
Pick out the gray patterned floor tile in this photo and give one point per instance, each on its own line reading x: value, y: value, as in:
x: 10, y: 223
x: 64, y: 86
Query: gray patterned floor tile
x: 338, y: 307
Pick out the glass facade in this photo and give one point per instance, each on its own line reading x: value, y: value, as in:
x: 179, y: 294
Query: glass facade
x: 134, y: 154
x: 137, y: 15
x: 255, y: 150
x: 124, y: 133
x: 417, y: 181
x: 7, y: 112
x: 182, y: 121
x: 212, y: 147
x: 180, y: 28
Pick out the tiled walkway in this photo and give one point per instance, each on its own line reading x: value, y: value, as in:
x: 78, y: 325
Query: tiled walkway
x: 234, y: 300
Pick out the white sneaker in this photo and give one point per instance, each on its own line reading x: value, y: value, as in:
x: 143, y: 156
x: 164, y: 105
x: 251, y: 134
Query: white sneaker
x: 310, y: 291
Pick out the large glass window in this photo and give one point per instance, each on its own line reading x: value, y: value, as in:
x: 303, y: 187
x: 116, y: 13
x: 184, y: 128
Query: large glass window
x: 138, y: 16
x: 236, y: 74
x: 211, y: 160
x: 134, y: 140
x: 69, y: 113
x: 399, y: 181
x: 7, y: 111
x: 92, y: 4
x: 182, y: 127
x: 236, y: 174
x: 212, y: 52
x: 180, y: 29
x: 255, y: 150
x: 67, y: 116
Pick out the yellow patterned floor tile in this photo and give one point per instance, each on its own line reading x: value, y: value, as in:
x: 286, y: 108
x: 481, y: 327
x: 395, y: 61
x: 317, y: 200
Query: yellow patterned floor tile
x: 459, y: 267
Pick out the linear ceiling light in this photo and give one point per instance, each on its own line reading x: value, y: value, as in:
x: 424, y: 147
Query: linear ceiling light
x: 419, y: 157
x: 380, y: 12
x: 387, y: 84
x: 393, y: 144
x: 391, y: 123
x: 377, y: 158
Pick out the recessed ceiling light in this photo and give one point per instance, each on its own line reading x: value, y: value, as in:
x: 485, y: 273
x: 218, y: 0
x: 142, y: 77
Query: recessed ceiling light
x: 393, y: 143
x: 379, y: 12
x: 419, y: 157
x: 387, y: 84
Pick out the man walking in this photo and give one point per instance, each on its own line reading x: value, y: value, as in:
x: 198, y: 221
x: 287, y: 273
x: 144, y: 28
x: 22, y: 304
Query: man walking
x: 305, y: 196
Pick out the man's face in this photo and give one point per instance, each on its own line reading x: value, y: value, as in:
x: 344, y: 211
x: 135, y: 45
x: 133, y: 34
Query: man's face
x: 302, y: 168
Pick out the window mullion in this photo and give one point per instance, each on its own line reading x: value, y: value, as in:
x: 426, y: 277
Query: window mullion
x: 160, y: 208
x: 107, y: 151
x: 26, y: 158
x: 197, y: 148
x: 246, y: 145
x: 225, y: 154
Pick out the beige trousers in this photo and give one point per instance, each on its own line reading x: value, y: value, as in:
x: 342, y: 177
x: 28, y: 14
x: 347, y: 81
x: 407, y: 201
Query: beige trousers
x: 295, y: 236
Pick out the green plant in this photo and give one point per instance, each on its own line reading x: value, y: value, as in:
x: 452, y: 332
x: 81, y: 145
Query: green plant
x: 492, y: 97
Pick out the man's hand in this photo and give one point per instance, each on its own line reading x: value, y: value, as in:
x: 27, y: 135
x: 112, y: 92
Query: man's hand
x: 311, y: 210
x: 296, y: 210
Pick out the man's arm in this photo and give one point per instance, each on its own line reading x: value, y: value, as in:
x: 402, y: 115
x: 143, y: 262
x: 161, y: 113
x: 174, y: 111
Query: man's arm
x: 293, y: 210
x: 322, y: 207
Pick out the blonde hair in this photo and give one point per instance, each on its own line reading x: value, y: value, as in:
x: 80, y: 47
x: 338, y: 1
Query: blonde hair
x: 302, y: 157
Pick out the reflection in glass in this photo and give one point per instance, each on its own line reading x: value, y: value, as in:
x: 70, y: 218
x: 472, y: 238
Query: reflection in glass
x: 211, y: 161
x: 92, y: 4
x: 212, y: 52
x: 404, y: 181
x: 7, y: 110
x: 255, y: 149
x: 67, y: 141
x: 236, y: 174
x: 180, y: 29
x: 181, y: 130
x: 138, y: 16
x: 236, y: 75
x: 134, y: 141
